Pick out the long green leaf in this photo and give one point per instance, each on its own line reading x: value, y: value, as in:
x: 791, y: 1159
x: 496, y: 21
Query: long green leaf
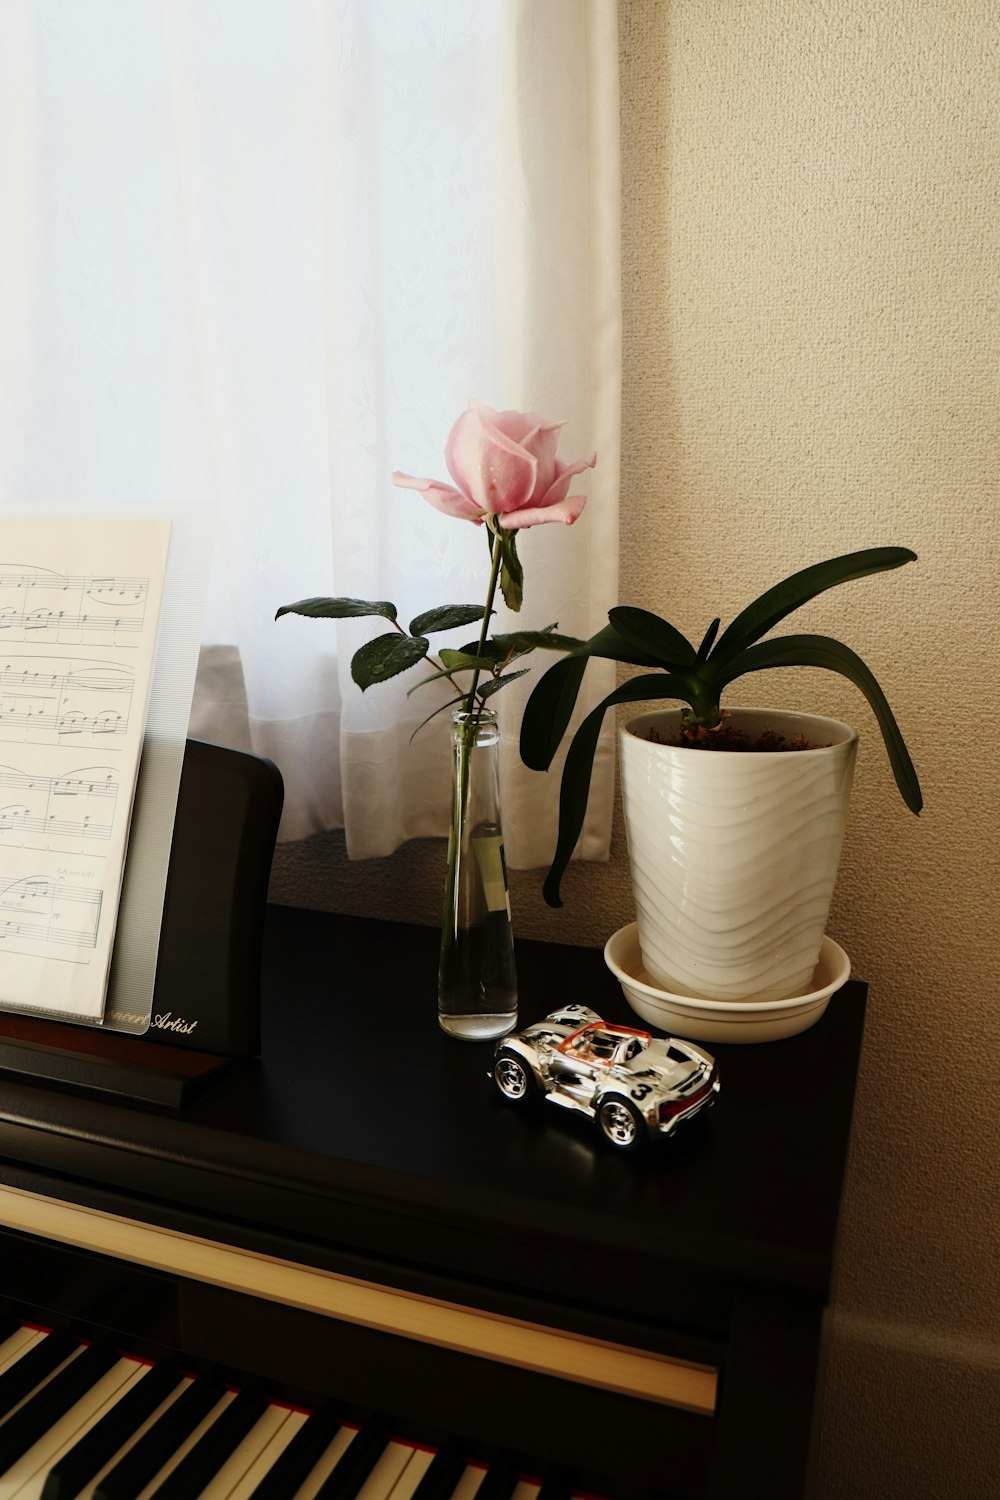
x: 607, y: 644
x: 548, y: 711
x: 339, y: 609
x: 446, y: 617
x: 654, y: 636
x: 385, y: 657
x: 579, y: 767
x: 771, y: 607
x: 611, y: 645
x: 550, y: 707
x: 834, y: 656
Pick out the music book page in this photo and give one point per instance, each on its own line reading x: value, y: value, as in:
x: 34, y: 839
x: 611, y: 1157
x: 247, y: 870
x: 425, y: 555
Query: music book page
x: 79, y: 606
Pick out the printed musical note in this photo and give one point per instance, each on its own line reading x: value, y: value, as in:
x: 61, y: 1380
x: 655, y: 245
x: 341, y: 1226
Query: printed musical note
x: 49, y: 912
x: 66, y: 697
x: 42, y: 605
x: 66, y: 814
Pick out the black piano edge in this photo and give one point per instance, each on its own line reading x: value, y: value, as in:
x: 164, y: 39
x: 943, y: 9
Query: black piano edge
x: 103, y: 1063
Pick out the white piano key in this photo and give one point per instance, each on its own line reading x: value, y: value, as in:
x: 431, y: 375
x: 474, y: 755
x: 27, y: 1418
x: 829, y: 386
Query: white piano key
x: 469, y: 1482
x: 325, y: 1466
x: 231, y: 1475
x: 420, y: 1461
x: 270, y: 1455
x: 73, y: 1354
x: 384, y: 1477
x: 186, y: 1446
x: 87, y: 1493
x: 526, y: 1489
x: 17, y: 1344
x: 25, y: 1480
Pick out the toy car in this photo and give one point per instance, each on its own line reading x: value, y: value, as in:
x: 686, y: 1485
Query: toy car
x: 635, y: 1087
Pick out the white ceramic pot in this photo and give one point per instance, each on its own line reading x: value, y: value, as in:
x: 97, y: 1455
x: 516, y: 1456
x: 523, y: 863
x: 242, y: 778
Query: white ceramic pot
x: 734, y: 854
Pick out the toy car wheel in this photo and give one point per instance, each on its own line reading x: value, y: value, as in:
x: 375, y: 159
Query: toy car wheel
x: 621, y: 1125
x: 512, y: 1075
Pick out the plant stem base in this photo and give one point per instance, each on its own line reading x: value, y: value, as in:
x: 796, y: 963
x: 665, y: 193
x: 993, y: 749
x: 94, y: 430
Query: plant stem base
x: 477, y: 980
x: 477, y: 975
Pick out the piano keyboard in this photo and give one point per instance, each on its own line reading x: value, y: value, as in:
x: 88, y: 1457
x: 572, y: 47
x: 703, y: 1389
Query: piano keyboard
x: 80, y: 1419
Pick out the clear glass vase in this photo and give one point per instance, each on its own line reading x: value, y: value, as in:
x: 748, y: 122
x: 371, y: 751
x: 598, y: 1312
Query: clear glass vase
x: 477, y: 978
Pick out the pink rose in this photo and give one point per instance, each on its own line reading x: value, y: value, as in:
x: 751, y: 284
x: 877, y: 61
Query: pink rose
x: 504, y: 464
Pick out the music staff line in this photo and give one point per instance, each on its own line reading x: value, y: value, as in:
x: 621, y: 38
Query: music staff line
x: 104, y: 605
x: 36, y: 702
x: 39, y: 818
x: 58, y: 619
x: 39, y: 908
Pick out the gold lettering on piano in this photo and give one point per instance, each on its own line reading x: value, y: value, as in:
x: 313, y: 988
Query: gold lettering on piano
x: 531, y: 1346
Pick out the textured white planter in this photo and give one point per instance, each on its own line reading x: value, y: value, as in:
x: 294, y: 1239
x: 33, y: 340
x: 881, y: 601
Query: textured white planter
x: 734, y: 856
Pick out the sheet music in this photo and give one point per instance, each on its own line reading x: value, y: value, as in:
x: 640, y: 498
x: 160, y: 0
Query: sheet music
x: 79, y: 606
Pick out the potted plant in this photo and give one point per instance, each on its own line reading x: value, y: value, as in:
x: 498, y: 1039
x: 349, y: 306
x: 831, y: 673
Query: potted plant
x: 735, y: 819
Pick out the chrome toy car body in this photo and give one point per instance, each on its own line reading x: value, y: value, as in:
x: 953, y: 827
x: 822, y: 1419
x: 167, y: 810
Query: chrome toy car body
x: 634, y: 1085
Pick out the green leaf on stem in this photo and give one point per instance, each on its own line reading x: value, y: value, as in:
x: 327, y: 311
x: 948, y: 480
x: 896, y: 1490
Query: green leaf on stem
x: 496, y: 683
x: 764, y: 613
x: 530, y: 640
x: 385, y: 657
x: 834, y: 656
x: 460, y: 661
x: 486, y: 651
x: 339, y: 609
x: 511, y: 572
x: 446, y: 617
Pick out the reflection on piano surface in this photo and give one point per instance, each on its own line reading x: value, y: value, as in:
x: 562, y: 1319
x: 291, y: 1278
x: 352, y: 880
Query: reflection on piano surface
x: 84, y: 1419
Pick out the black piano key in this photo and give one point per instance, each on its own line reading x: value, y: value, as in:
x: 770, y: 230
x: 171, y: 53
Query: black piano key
x: 32, y: 1368
x: 301, y: 1455
x: 213, y: 1447
x: 445, y: 1470
x: 498, y: 1483
x: 54, y: 1399
x: 8, y: 1325
x: 356, y: 1463
x: 555, y: 1486
x: 110, y: 1433
x: 141, y: 1464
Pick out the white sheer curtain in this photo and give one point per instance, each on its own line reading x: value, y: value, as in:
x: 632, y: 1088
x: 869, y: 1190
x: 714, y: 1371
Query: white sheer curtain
x: 256, y: 254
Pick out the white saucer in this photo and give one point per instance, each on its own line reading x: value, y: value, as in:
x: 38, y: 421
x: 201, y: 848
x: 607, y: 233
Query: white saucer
x: 723, y: 1020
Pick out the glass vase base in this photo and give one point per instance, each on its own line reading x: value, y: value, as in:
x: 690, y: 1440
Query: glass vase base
x: 478, y: 1028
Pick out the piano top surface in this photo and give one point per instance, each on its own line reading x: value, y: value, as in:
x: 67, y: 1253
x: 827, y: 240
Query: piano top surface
x: 364, y: 1131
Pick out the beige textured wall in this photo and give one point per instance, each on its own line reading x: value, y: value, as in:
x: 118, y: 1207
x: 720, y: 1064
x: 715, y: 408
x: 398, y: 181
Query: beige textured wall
x: 811, y: 279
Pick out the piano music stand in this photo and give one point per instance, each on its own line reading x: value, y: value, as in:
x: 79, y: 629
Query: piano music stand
x: 206, y: 997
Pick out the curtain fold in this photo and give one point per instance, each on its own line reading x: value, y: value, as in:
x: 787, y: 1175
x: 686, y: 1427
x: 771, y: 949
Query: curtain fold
x: 257, y: 256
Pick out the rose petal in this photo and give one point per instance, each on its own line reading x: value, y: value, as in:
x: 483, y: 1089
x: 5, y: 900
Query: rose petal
x: 487, y: 465
x: 542, y: 442
x: 442, y: 497
x: 566, y: 511
x: 564, y: 473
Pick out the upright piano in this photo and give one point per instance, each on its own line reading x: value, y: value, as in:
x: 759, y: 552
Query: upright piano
x: 355, y: 1229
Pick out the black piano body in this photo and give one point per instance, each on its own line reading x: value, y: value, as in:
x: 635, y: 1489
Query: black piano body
x: 358, y: 1215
